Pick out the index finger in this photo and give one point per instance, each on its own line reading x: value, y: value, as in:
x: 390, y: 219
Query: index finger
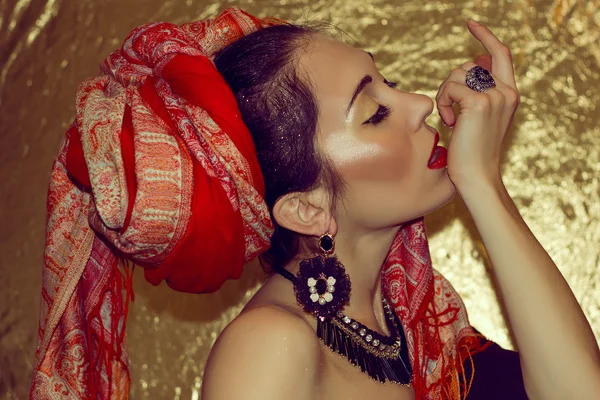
x: 502, y: 65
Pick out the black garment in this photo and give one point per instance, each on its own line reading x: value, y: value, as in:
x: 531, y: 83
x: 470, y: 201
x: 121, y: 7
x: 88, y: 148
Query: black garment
x: 497, y: 375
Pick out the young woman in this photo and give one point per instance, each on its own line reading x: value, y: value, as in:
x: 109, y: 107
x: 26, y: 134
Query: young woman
x: 204, y: 145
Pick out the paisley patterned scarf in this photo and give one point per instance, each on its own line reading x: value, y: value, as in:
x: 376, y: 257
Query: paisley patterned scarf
x: 158, y: 169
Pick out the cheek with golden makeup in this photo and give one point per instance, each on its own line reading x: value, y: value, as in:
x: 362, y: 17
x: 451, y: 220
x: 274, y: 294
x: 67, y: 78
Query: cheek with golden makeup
x: 387, y: 180
x: 371, y: 158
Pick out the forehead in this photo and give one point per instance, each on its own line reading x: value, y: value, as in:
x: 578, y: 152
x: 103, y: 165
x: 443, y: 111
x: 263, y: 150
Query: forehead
x: 334, y: 69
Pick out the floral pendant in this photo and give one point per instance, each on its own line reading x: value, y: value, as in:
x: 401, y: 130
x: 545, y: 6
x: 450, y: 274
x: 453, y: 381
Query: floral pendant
x: 322, y: 286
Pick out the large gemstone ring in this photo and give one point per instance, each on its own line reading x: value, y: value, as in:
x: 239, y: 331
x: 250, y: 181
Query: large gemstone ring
x: 479, y: 79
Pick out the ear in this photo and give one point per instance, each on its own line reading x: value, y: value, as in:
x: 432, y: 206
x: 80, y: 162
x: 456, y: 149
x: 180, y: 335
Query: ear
x: 307, y: 213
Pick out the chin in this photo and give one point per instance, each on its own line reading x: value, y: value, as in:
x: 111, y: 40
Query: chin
x: 444, y: 193
x: 440, y: 195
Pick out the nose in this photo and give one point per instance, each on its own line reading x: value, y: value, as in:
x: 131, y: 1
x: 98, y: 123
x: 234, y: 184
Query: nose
x: 422, y: 108
x: 429, y: 106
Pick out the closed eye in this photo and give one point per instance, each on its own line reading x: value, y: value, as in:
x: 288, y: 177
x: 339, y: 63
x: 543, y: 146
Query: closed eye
x: 381, y: 114
x: 382, y: 111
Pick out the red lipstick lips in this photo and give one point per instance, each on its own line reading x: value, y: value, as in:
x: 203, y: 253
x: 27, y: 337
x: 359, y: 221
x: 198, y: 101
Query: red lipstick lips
x: 439, y: 155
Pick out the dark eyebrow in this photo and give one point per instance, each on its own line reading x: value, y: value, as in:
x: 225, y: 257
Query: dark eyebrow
x: 363, y: 82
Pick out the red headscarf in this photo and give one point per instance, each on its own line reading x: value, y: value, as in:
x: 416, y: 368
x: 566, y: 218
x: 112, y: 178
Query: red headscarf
x: 159, y: 169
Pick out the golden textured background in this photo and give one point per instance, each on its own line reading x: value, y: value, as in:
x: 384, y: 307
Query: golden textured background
x: 551, y: 167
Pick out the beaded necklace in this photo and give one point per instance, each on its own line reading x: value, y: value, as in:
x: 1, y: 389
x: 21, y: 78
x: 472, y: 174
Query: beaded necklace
x: 383, y: 358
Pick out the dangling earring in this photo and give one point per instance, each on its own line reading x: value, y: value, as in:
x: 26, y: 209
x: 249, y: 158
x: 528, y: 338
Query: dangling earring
x: 322, y: 286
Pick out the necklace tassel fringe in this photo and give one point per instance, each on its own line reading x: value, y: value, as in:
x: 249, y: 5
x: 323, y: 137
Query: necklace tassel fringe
x: 379, y: 368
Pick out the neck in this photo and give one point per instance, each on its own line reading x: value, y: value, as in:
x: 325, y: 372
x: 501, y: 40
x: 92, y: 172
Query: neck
x: 363, y: 256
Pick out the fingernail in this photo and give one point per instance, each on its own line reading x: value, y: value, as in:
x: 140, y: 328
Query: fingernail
x: 474, y: 22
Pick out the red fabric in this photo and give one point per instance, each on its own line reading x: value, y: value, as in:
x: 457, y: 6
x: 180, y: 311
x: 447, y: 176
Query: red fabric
x: 196, y: 80
x: 212, y: 248
x: 74, y: 154
x: 128, y: 154
x: 157, y: 169
x: 438, y: 332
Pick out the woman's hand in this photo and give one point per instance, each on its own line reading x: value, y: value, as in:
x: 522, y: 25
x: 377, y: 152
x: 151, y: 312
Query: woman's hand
x: 484, y: 118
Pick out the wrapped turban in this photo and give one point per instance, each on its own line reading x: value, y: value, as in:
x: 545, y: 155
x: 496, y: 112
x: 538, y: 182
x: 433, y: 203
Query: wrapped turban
x: 158, y: 169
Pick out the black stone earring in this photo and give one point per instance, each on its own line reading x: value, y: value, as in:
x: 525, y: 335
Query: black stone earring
x: 322, y: 286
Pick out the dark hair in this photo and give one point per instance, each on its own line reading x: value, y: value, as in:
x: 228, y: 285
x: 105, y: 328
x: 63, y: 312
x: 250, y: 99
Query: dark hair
x: 279, y: 108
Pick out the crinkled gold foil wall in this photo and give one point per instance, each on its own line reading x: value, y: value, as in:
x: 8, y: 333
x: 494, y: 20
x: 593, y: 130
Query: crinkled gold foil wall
x: 551, y: 167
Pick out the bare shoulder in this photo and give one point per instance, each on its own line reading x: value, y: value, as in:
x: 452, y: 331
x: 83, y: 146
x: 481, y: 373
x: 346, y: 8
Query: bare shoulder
x: 265, y: 353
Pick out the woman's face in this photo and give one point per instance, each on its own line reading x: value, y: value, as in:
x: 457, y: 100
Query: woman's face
x: 379, y: 143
